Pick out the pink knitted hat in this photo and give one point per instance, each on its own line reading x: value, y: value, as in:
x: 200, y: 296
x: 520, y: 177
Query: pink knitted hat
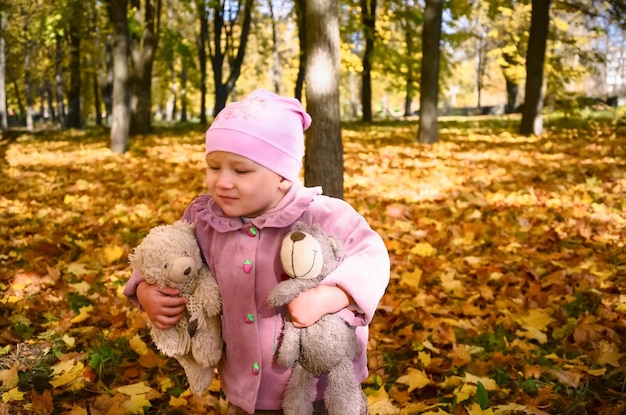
x: 264, y: 127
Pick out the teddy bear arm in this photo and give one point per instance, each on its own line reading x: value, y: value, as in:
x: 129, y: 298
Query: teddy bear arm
x: 289, y: 350
x: 208, y: 295
x: 206, y: 343
x: 284, y: 292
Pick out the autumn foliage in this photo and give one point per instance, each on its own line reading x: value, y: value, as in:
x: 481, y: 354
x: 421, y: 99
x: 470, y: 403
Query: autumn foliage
x: 508, y: 289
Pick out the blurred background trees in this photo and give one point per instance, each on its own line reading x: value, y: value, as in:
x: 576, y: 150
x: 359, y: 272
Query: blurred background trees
x: 185, y: 59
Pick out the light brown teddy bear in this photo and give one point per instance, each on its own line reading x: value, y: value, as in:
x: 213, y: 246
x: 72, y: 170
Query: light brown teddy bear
x: 308, y: 255
x: 170, y: 256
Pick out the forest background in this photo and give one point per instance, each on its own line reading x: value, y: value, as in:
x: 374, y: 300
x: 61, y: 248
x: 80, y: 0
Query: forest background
x: 508, y: 287
x: 57, y: 58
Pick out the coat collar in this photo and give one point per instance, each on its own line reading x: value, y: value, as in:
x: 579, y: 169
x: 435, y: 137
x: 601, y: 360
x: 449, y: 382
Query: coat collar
x: 289, y: 209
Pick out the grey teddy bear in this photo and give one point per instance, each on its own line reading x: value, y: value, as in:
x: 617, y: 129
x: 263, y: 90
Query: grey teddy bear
x: 169, y: 255
x: 308, y: 255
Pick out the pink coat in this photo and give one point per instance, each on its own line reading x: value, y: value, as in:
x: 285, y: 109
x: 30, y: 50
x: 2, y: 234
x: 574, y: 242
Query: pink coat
x: 244, y: 256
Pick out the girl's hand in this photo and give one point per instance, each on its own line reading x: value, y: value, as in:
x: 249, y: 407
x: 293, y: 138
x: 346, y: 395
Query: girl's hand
x: 163, y: 305
x: 310, y: 305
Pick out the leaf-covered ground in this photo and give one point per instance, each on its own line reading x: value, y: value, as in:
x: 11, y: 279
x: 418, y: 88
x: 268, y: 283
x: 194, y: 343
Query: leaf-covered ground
x: 508, y: 290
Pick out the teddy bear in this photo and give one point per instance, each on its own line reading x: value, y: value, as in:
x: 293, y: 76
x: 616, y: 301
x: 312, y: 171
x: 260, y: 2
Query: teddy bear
x: 308, y: 255
x: 169, y: 256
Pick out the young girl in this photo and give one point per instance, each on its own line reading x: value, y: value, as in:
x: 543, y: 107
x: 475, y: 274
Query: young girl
x: 254, y: 151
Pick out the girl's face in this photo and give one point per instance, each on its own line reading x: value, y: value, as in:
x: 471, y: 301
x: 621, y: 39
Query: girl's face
x: 242, y: 187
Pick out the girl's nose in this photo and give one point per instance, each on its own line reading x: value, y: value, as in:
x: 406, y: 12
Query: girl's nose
x: 224, y: 180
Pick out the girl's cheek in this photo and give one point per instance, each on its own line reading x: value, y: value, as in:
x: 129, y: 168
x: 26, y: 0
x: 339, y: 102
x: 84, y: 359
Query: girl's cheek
x: 207, y: 178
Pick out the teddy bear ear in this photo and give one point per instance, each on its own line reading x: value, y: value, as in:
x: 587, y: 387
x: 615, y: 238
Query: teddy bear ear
x: 185, y: 226
x: 135, y: 258
x: 336, y: 246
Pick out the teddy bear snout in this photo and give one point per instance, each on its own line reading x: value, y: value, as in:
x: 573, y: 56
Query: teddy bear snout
x: 182, y: 269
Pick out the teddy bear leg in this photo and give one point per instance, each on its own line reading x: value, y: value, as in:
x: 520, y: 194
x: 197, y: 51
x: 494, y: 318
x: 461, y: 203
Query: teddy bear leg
x: 171, y: 342
x: 206, y: 344
x: 297, y: 398
x: 289, y: 350
x: 344, y: 395
x: 198, y: 377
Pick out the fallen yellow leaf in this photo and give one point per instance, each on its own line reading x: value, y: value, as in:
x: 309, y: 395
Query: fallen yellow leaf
x: 412, y: 279
x: 475, y: 409
x: 423, y: 249
x: 67, y: 372
x: 83, y: 315
x: 488, y: 383
x: 176, y: 402
x: 135, y: 389
x: 70, y: 341
x: 534, y: 324
x: 138, y: 345
x: 416, y: 379
x: 81, y: 288
x: 78, y: 269
x: 610, y: 357
x: 136, y: 404
x: 113, y: 253
x: 13, y: 395
x: 380, y: 404
x: 9, y: 377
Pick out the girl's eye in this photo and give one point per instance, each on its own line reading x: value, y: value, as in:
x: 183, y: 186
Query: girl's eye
x: 213, y: 168
x: 241, y: 171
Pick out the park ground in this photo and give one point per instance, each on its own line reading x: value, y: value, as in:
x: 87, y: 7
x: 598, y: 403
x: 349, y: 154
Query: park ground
x: 508, y: 278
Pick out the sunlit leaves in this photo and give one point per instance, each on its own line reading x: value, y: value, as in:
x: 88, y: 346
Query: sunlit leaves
x: 507, y: 268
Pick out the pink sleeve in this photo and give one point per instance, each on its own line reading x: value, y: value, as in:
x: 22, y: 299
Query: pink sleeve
x: 130, y: 290
x: 365, y: 268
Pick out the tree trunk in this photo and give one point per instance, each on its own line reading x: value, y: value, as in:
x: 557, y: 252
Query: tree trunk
x: 512, y: 89
x: 96, y: 100
x: 323, y: 162
x: 50, y: 102
x: 276, y: 56
x: 203, y: 38
x: 170, y: 105
x: 120, y: 116
x: 300, y: 8
x: 481, y: 66
x: 28, y: 90
x: 58, y: 79
x: 368, y: 13
x: 28, y: 86
x: 4, y: 118
x: 408, y: 100
x: 73, y: 114
x: 225, y: 52
x: 107, y: 80
x: 97, y: 79
x: 142, y: 50
x: 532, y: 121
x: 410, y: 88
x: 183, y: 92
x: 20, y: 104
x: 428, y: 131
